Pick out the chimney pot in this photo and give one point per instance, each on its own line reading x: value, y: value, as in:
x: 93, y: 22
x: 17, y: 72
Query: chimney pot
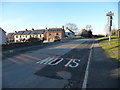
x: 66, y: 27
x: 62, y: 27
x: 33, y: 29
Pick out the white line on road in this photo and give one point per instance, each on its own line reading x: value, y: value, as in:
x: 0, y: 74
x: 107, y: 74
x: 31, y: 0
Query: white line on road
x: 41, y: 61
x: 60, y: 59
x: 84, y: 85
x: 76, y: 64
x: 69, y: 62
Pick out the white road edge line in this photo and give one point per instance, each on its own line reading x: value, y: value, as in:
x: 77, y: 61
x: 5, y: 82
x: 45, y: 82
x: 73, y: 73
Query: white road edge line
x: 84, y: 85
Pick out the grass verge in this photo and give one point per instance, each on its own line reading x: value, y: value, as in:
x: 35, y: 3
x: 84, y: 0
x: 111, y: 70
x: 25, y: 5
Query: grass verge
x: 112, y: 48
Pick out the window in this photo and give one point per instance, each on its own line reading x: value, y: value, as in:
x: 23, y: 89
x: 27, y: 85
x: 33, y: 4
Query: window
x: 20, y: 36
x: 68, y: 33
x: 49, y: 34
x: 16, y: 36
x: 40, y: 35
x: 26, y: 36
x: 57, y: 34
x: 36, y: 36
x: 49, y: 39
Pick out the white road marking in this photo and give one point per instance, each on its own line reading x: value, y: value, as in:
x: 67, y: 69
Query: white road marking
x: 69, y: 62
x: 50, y: 63
x: 84, y: 85
x: 41, y: 61
x: 70, y: 65
x: 50, y: 60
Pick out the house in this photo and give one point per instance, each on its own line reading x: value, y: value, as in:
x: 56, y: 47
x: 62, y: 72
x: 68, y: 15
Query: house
x: 2, y: 37
x: 48, y: 35
x: 10, y: 37
x: 69, y: 33
x: 18, y: 36
x: 23, y: 36
x: 39, y: 33
x: 54, y: 33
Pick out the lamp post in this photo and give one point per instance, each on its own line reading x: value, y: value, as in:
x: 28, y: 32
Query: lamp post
x: 110, y: 14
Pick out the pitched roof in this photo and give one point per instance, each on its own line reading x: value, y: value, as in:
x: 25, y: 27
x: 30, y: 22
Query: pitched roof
x: 70, y: 30
x: 10, y: 34
x: 19, y: 33
x: 55, y: 29
x: 2, y: 30
x: 27, y: 32
x: 38, y: 32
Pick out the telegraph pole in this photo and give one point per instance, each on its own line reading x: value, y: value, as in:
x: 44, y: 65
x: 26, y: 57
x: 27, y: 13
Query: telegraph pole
x: 110, y: 14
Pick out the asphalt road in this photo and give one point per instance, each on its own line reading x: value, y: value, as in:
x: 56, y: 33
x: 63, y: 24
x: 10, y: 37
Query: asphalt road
x: 58, y: 66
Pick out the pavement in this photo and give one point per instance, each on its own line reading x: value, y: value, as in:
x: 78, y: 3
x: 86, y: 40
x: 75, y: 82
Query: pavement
x: 104, y: 72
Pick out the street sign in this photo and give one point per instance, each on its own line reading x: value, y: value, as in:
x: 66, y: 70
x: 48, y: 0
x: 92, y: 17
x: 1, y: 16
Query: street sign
x: 110, y: 14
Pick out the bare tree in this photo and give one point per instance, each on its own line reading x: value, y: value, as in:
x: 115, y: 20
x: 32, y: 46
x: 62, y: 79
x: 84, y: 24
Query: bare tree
x: 88, y: 27
x: 114, y: 30
x: 72, y: 27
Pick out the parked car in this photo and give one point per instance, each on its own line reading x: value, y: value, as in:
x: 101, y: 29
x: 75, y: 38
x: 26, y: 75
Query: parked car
x: 56, y: 39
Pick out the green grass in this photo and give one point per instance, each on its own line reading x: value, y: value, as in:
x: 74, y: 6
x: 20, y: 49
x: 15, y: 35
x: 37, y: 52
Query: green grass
x: 107, y: 37
x: 112, y: 48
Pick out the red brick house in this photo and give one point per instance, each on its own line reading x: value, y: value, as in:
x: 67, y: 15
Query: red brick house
x: 54, y: 33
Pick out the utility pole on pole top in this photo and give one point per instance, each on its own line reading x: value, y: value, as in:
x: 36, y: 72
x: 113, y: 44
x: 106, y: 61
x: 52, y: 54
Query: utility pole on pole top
x: 110, y: 14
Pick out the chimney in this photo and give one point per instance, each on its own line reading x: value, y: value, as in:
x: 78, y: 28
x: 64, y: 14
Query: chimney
x: 66, y: 27
x: 33, y: 29
x: 25, y: 29
x: 15, y: 31
x: 46, y: 27
x: 62, y: 27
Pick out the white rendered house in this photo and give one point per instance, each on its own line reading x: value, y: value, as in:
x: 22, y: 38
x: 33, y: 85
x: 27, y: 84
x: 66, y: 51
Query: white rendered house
x: 69, y: 33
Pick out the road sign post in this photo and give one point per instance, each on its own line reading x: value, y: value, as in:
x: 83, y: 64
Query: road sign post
x: 110, y: 14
